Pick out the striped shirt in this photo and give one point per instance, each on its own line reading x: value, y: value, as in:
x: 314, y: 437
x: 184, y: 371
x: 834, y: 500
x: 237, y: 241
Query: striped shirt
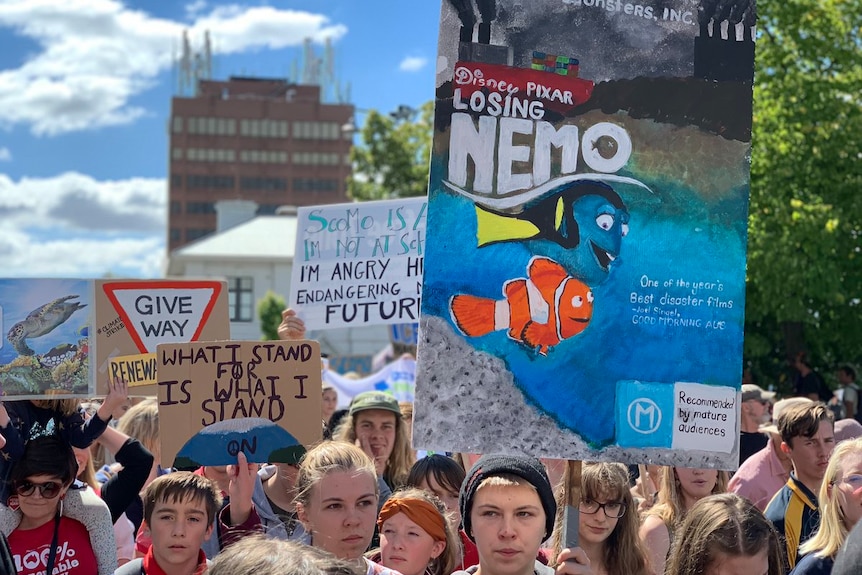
x: 796, y: 515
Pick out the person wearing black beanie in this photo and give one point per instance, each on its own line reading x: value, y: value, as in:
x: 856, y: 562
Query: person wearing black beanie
x: 508, y: 509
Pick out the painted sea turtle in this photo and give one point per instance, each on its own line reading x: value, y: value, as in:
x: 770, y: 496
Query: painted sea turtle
x: 41, y: 321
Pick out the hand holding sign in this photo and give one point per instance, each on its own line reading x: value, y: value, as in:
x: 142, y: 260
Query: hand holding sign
x: 573, y: 562
x: 241, y: 487
x: 118, y: 394
x: 291, y: 326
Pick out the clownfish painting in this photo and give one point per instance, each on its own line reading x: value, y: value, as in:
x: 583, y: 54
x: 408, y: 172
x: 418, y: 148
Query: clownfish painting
x: 539, y: 311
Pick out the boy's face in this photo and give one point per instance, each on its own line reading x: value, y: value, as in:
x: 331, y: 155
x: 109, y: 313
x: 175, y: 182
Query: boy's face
x: 178, y: 529
x: 508, y: 524
x: 810, y: 455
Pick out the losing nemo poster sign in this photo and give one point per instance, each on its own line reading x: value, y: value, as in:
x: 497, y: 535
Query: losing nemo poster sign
x: 585, y: 266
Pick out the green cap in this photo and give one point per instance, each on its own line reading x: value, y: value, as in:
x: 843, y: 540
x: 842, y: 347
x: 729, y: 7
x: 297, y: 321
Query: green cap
x: 374, y: 400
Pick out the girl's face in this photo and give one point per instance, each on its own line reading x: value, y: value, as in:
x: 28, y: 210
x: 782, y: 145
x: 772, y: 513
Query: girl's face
x: 330, y: 401
x: 595, y: 528
x: 406, y: 547
x: 696, y: 484
x: 740, y: 564
x: 39, y: 496
x: 848, y: 489
x: 82, y: 456
x: 447, y: 496
x: 341, y: 513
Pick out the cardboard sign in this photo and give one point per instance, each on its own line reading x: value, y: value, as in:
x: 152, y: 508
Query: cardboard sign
x: 45, y: 327
x: 134, y: 317
x: 359, y: 264
x: 219, y: 398
x: 584, y: 271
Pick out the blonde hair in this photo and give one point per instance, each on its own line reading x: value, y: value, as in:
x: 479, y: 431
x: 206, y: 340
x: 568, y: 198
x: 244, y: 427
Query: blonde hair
x: 329, y: 457
x: 400, y: 460
x: 671, y: 504
x: 258, y: 555
x: 141, y: 422
x: 723, y: 525
x: 622, y: 550
x: 832, y: 533
x: 505, y: 480
x: 448, y: 561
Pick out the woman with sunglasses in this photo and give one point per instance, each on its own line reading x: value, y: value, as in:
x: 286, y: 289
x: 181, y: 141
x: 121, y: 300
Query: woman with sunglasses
x: 46, y: 540
x: 840, y: 500
x: 608, y: 521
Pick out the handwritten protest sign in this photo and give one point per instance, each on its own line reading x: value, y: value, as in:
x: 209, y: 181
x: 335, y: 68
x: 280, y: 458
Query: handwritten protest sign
x: 219, y: 398
x: 134, y: 316
x: 584, y: 270
x: 359, y: 264
x: 45, y: 343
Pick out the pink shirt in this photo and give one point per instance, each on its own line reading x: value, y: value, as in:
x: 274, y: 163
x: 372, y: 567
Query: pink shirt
x: 759, y: 477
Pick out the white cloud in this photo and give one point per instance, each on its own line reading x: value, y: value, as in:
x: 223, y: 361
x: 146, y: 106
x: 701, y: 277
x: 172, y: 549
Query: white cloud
x: 195, y: 8
x: 412, y: 64
x: 95, y: 55
x: 72, y: 225
x: 5, y: 155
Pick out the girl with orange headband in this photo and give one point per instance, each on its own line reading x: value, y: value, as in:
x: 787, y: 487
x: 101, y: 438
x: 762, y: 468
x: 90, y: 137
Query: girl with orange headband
x: 415, y: 537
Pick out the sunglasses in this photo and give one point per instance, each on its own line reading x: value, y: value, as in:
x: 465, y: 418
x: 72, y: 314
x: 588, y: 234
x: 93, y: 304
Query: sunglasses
x: 48, y: 490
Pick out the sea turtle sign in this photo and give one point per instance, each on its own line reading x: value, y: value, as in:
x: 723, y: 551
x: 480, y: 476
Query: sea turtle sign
x: 584, y: 270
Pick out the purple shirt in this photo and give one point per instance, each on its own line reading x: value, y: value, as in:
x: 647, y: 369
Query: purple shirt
x: 760, y: 477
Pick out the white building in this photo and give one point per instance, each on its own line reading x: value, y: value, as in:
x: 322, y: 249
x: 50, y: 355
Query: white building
x: 255, y: 254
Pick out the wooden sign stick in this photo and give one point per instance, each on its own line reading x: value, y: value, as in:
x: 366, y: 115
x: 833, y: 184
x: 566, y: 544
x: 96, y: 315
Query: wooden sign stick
x: 572, y: 500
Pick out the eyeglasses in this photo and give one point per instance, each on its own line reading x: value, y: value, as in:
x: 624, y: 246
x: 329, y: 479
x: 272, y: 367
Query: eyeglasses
x: 854, y: 481
x: 48, y: 490
x: 612, y: 509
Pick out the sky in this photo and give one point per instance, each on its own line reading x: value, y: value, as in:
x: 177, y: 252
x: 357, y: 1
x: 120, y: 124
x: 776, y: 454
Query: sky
x: 85, y: 91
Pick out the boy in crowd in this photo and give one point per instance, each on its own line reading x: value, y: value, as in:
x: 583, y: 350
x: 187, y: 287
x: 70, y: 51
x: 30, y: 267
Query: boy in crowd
x: 807, y: 437
x: 508, y: 509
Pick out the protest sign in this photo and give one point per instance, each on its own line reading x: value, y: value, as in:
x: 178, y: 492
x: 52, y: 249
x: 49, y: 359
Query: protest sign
x: 134, y: 316
x: 397, y: 378
x: 359, y: 264
x: 404, y: 338
x: 136, y: 370
x: 584, y: 271
x: 219, y: 398
x: 45, y: 346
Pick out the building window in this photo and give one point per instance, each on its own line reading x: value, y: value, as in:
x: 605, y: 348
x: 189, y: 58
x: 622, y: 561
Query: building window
x: 178, y: 124
x: 176, y: 208
x: 176, y: 235
x: 312, y: 185
x: 176, y: 181
x: 240, y: 298
x: 200, y: 208
x: 264, y: 184
x: 197, y: 233
x: 202, y: 182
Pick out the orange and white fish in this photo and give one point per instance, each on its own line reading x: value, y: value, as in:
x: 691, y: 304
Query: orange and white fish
x: 539, y: 311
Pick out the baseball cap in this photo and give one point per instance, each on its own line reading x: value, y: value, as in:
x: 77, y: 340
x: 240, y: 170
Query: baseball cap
x: 752, y: 391
x: 374, y: 400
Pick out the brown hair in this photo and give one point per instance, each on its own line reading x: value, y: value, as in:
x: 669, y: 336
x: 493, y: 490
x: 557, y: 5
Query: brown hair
x: 723, y: 525
x: 400, y: 461
x: 182, y: 486
x: 623, y: 551
x: 803, y: 421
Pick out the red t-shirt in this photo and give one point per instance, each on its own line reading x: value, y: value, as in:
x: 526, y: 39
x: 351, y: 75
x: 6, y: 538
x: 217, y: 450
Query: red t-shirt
x: 31, y: 547
x: 152, y: 567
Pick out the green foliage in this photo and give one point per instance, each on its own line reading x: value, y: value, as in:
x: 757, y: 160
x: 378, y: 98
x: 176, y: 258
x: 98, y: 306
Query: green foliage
x: 804, y: 273
x: 394, y: 156
x: 269, y: 309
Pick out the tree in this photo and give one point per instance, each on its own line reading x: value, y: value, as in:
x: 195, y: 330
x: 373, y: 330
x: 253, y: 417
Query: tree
x: 269, y: 309
x: 394, y: 156
x: 804, y: 273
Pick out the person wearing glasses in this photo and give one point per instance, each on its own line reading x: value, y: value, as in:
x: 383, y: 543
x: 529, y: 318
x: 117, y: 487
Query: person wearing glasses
x: 608, y: 521
x: 46, y: 541
x: 840, y: 509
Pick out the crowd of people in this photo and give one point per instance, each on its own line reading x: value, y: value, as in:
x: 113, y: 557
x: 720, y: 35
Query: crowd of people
x: 84, y: 494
